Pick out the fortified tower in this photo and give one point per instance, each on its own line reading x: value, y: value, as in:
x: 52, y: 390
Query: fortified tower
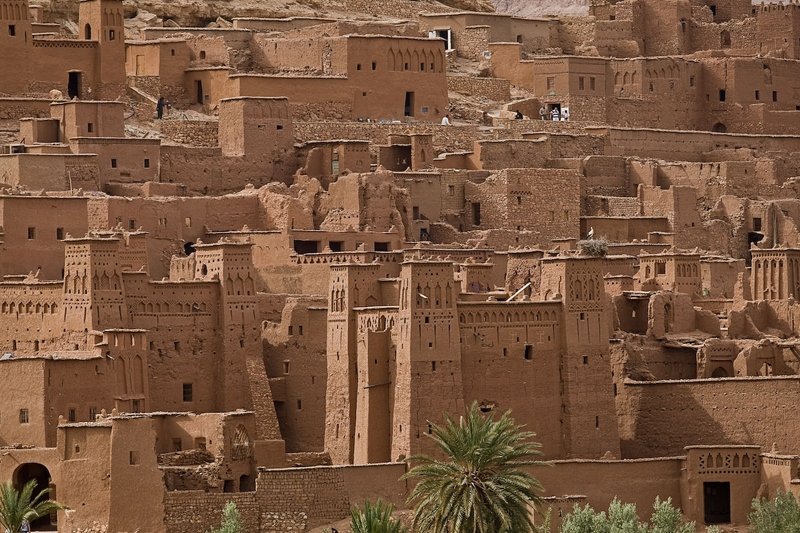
x: 428, y: 380
x: 589, y: 421
x: 103, y: 21
x: 94, y: 298
x: 15, y: 41
x: 241, y: 376
x: 351, y: 286
x: 778, y: 29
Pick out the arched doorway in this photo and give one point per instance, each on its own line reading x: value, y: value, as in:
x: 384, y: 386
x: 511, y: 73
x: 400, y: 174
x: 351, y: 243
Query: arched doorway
x: 28, y: 471
x: 719, y: 372
x: 719, y: 127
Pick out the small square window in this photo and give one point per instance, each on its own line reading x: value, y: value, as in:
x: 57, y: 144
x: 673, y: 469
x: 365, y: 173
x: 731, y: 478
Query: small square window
x: 299, y: 404
x: 286, y: 367
x: 92, y: 414
x: 23, y: 416
x: 172, y: 52
x: 691, y: 81
x: 113, y: 163
x: 90, y: 127
x: 358, y: 66
x: 31, y: 232
x: 12, y: 30
x: 374, y: 66
x: 528, y: 355
x: 59, y: 233
x: 71, y: 415
x: 774, y: 96
x: 188, y: 393
x: 133, y: 458
x: 136, y: 406
x: 551, y: 83
x: 146, y: 163
x: 131, y: 224
x: 112, y: 35
x: 592, y: 83
x: 581, y: 83
x: 202, y: 54
x: 722, y: 95
x: 177, y: 444
x: 585, y: 359
x: 451, y: 190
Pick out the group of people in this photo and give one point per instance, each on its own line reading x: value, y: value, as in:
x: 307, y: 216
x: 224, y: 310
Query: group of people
x: 556, y: 114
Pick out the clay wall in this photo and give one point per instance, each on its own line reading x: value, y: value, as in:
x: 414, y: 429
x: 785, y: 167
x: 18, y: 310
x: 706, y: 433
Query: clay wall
x: 449, y: 138
x: 659, y: 418
x: 634, y: 481
x: 690, y: 145
x: 496, y: 89
x: 122, y: 159
x: 50, y: 172
x: 778, y: 28
x: 522, y: 340
x: 191, y: 132
x: 295, y: 355
x: 37, y: 244
x: 194, y: 511
x: 518, y: 199
x: 12, y: 108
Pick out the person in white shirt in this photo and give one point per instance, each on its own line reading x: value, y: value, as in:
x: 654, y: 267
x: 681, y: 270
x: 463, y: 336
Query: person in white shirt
x: 446, y: 120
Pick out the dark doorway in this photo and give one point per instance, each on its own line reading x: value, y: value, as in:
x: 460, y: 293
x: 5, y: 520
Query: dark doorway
x: 28, y: 471
x: 198, y: 85
x: 719, y: 127
x: 306, y: 247
x: 74, y: 85
x: 409, y: 105
x: 717, y: 502
x: 246, y: 484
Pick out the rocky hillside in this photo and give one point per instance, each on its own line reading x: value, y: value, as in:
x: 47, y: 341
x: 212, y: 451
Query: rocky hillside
x: 538, y: 8
x: 202, y: 12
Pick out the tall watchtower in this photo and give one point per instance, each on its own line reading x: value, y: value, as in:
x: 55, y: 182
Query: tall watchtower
x: 102, y: 21
x: 241, y: 376
x: 93, y: 292
x: 428, y: 369
x: 589, y: 415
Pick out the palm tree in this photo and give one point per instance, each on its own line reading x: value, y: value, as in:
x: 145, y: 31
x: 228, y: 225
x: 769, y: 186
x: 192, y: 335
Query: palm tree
x: 17, y: 507
x: 480, y: 487
x: 375, y: 518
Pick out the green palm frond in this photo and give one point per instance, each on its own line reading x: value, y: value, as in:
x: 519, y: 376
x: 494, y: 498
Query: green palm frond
x: 480, y: 487
x: 17, y: 506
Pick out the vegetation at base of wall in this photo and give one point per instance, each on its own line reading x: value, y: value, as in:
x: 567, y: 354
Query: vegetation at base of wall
x: 480, y: 486
x: 593, y: 247
x: 623, y: 518
x: 779, y: 514
x: 375, y: 518
x: 231, y: 520
x: 20, y: 506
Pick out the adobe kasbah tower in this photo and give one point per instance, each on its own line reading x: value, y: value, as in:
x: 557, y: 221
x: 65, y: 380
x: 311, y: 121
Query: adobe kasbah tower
x: 255, y: 253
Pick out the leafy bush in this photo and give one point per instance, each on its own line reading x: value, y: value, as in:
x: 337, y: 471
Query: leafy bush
x: 594, y: 247
x: 231, y: 521
x: 780, y: 514
x: 375, y: 518
x: 623, y: 518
